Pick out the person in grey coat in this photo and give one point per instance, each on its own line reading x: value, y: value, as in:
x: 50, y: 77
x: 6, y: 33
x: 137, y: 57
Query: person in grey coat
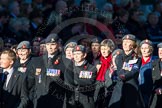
x: 156, y: 97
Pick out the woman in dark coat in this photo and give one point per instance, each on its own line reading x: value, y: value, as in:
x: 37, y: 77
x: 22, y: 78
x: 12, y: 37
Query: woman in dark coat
x: 126, y: 93
x: 145, y: 74
x: 107, y: 46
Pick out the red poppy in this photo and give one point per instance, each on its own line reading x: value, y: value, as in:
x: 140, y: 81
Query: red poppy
x: 56, y: 62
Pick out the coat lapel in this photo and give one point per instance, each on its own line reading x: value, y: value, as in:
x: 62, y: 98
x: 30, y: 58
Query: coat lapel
x: 156, y: 70
x: 45, y: 59
x: 13, y: 80
x: 43, y: 73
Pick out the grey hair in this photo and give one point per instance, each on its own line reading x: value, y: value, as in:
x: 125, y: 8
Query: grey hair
x: 109, y: 43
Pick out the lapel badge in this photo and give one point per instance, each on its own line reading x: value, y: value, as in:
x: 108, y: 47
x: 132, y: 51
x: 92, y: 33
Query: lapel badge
x: 38, y: 71
x: 22, y: 69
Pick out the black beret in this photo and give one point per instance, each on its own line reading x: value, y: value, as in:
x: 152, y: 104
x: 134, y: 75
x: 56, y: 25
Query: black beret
x: 37, y: 39
x: 130, y: 37
x: 146, y: 41
x: 79, y: 48
x: 9, y: 42
x: 70, y: 45
x: 42, y: 41
x: 24, y: 45
x: 96, y: 40
x: 159, y: 45
x: 52, y: 38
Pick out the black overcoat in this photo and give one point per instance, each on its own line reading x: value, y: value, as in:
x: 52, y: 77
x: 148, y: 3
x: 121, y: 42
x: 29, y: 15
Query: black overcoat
x: 126, y: 92
x: 15, y: 95
x: 49, y: 89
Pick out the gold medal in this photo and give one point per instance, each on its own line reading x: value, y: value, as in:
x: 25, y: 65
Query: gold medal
x: 38, y: 71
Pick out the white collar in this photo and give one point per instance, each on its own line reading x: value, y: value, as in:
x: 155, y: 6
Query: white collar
x: 10, y: 71
x: 81, y: 63
x: 50, y: 56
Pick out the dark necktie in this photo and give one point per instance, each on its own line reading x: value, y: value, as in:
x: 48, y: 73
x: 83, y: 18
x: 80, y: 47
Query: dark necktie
x: 49, y: 61
x: 4, y: 78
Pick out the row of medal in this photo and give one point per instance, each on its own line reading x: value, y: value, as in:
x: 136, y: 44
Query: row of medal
x: 85, y: 74
x: 53, y: 72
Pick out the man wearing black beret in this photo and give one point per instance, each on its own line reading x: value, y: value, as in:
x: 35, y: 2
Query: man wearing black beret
x: 94, y: 54
x: 50, y: 72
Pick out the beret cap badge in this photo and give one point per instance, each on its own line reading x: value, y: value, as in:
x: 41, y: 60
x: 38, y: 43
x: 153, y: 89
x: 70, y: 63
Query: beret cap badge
x: 127, y: 37
x: 77, y: 48
x: 24, y: 46
x: 52, y: 40
x: 118, y: 52
x: 146, y: 41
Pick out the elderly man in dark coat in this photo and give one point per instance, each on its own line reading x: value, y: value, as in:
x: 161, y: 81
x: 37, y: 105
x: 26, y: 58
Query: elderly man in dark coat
x: 50, y: 71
